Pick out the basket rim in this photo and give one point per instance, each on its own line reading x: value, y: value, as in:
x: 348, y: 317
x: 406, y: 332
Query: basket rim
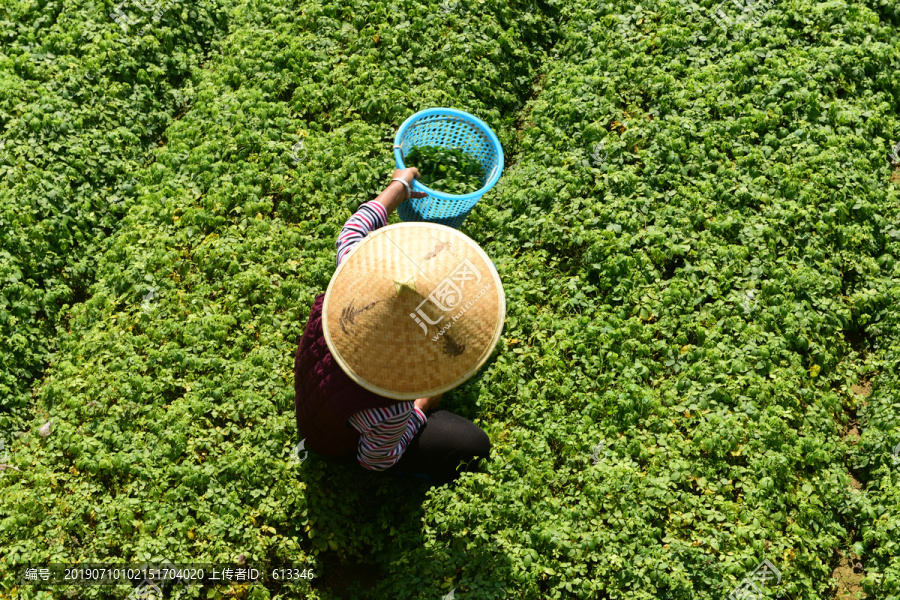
x: 456, y: 113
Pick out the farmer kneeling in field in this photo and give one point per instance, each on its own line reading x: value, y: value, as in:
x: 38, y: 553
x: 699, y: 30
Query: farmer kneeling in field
x: 414, y: 309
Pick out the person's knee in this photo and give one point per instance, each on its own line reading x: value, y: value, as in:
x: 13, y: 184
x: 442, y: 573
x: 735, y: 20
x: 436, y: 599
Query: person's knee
x: 478, y: 444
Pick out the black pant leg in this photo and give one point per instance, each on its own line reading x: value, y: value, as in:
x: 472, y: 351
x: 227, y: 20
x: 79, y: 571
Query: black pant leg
x: 445, y: 441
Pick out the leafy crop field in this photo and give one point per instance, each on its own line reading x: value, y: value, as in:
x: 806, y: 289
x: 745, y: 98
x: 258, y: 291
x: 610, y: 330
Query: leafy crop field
x: 82, y: 111
x: 697, y: 230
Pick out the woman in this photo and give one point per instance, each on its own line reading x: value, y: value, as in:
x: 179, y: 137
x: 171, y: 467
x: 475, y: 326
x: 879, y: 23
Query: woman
x: 340, y: 418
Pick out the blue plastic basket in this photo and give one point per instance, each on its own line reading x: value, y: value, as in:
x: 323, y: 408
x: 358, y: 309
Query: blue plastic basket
x: 449, y: 128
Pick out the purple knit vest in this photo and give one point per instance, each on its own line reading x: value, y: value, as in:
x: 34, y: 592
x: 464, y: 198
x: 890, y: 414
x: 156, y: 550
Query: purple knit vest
x: 324, y: 396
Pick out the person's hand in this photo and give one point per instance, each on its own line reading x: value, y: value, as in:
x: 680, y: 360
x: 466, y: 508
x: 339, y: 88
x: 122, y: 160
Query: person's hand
x: 428, y: 404
x: 408, y: 175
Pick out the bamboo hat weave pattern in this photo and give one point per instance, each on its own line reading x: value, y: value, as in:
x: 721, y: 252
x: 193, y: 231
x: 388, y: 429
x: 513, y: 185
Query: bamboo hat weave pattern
x: 414, y: 310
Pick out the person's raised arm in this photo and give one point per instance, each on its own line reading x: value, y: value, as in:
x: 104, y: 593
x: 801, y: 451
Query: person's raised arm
x: 395, y: 194
x: 373, y: 214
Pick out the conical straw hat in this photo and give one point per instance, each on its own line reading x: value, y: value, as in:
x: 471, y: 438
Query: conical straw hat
x: 413, y: 310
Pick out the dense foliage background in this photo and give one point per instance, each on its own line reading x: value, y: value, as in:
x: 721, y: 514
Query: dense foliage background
x: 82, y: 108
x: 698, y: 235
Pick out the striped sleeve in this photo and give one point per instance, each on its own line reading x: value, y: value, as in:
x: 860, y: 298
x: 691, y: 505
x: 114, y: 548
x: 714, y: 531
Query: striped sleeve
x: 370, y: 216
x: 385, y: 433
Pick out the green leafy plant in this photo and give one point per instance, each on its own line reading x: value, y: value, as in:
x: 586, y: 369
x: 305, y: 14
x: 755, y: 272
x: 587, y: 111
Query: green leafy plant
x: 686, y: 319
x: 76, y: 124
x: 448, y: 170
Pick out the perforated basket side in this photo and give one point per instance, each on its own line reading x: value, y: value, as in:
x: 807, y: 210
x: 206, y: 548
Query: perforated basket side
x: 453, y: 132
x: 447, y: 128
